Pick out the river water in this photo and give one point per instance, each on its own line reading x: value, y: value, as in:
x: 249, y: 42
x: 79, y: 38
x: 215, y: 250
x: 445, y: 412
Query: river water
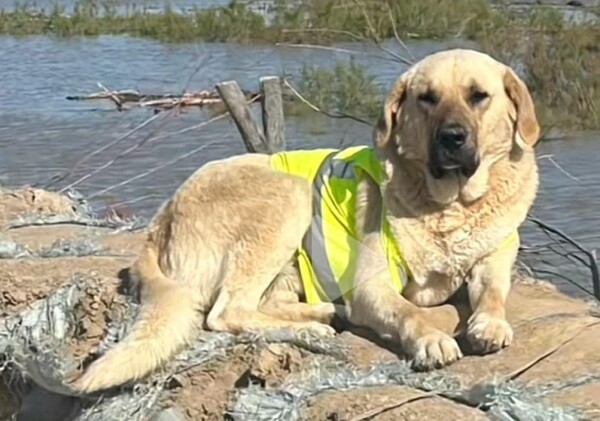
x: 43, y: 134
x: 260, y: 6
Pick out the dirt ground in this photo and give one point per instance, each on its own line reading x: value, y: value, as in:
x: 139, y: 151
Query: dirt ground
x: 556, y: 337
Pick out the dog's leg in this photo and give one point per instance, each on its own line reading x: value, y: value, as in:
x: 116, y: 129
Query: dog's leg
x: 238, y: 308
x: 378, y: 305
x: 254, y: 262
x: 489, y: 284
x: 286, y: 305
x: 282, y: 300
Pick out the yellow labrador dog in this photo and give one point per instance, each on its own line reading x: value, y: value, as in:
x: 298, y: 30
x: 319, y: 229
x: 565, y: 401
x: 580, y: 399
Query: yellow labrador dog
x: 436, y: 202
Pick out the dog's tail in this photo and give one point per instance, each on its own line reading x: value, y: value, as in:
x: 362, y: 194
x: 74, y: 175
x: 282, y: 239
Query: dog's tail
x: 165, y: 323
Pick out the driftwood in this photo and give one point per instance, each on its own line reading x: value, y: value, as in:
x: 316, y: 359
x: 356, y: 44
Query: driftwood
x: 128, y: 99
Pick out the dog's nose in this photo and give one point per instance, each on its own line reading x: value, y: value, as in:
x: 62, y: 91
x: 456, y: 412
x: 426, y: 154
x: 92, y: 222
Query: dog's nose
x: 451, y: 136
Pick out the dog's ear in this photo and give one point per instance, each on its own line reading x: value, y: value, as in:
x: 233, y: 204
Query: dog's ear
x: 528, y: 129
x: 391, y: 108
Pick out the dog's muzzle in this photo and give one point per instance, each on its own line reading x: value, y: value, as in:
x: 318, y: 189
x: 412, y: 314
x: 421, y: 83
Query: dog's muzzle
x: 453, y: 149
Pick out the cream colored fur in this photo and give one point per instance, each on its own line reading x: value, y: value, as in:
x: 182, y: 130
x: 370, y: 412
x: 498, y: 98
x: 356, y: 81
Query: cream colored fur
x: 221, y: 250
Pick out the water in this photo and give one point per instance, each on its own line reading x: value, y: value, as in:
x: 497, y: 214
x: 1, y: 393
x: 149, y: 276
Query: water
x: 43, y: 134
x: 150, y: 5
x: 185, y: 4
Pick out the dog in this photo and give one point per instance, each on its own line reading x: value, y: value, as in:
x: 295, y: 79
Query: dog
x: 245, y: 244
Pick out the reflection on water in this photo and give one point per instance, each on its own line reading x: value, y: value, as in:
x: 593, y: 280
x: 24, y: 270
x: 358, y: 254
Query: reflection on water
x: 42, y: 134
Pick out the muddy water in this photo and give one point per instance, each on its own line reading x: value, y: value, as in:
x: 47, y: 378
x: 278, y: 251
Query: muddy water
x: 42, y: 134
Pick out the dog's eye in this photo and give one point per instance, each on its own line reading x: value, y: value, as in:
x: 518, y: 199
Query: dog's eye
x: 478, y: 97
x: 428, y: 98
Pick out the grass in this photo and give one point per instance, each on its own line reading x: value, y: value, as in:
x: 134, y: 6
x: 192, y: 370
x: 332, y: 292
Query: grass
x: 561, y: 62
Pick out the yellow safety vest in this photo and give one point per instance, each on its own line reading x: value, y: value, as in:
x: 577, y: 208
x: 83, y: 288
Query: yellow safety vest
x: 328, y: 254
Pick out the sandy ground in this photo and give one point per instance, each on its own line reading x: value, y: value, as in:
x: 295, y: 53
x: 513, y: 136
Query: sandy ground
x: 556, y: 337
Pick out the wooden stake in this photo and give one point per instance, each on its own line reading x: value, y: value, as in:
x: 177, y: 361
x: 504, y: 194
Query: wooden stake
x: 234, y: 99
x: 272, y: 113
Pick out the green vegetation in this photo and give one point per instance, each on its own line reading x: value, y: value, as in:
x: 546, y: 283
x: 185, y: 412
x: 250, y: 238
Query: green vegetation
x: 91, y: 17
x: 561, y: 65
x: 561, y: 61
x: 333, y: 20
x: 347, y: 88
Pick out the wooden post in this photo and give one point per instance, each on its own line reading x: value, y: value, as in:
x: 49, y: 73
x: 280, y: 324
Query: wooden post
x: 272, y: 113
x: 272, y: 139
x: 595, y: 274
x: 234, y: 99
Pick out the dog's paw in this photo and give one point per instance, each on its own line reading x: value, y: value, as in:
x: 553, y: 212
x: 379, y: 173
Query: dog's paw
x: 435, y: 350
x: 319, y: 329
x: 488, y: 334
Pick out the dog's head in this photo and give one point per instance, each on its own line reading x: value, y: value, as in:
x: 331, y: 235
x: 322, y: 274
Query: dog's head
x: 454, y: 114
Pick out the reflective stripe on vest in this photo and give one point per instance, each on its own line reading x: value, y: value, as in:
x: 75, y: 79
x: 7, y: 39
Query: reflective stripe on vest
x: 327, y: 256
x: 314, y: 240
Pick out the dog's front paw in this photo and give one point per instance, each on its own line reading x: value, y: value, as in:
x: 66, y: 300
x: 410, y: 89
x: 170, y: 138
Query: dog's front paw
x: 435, y: 350
x: 488, y: 334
